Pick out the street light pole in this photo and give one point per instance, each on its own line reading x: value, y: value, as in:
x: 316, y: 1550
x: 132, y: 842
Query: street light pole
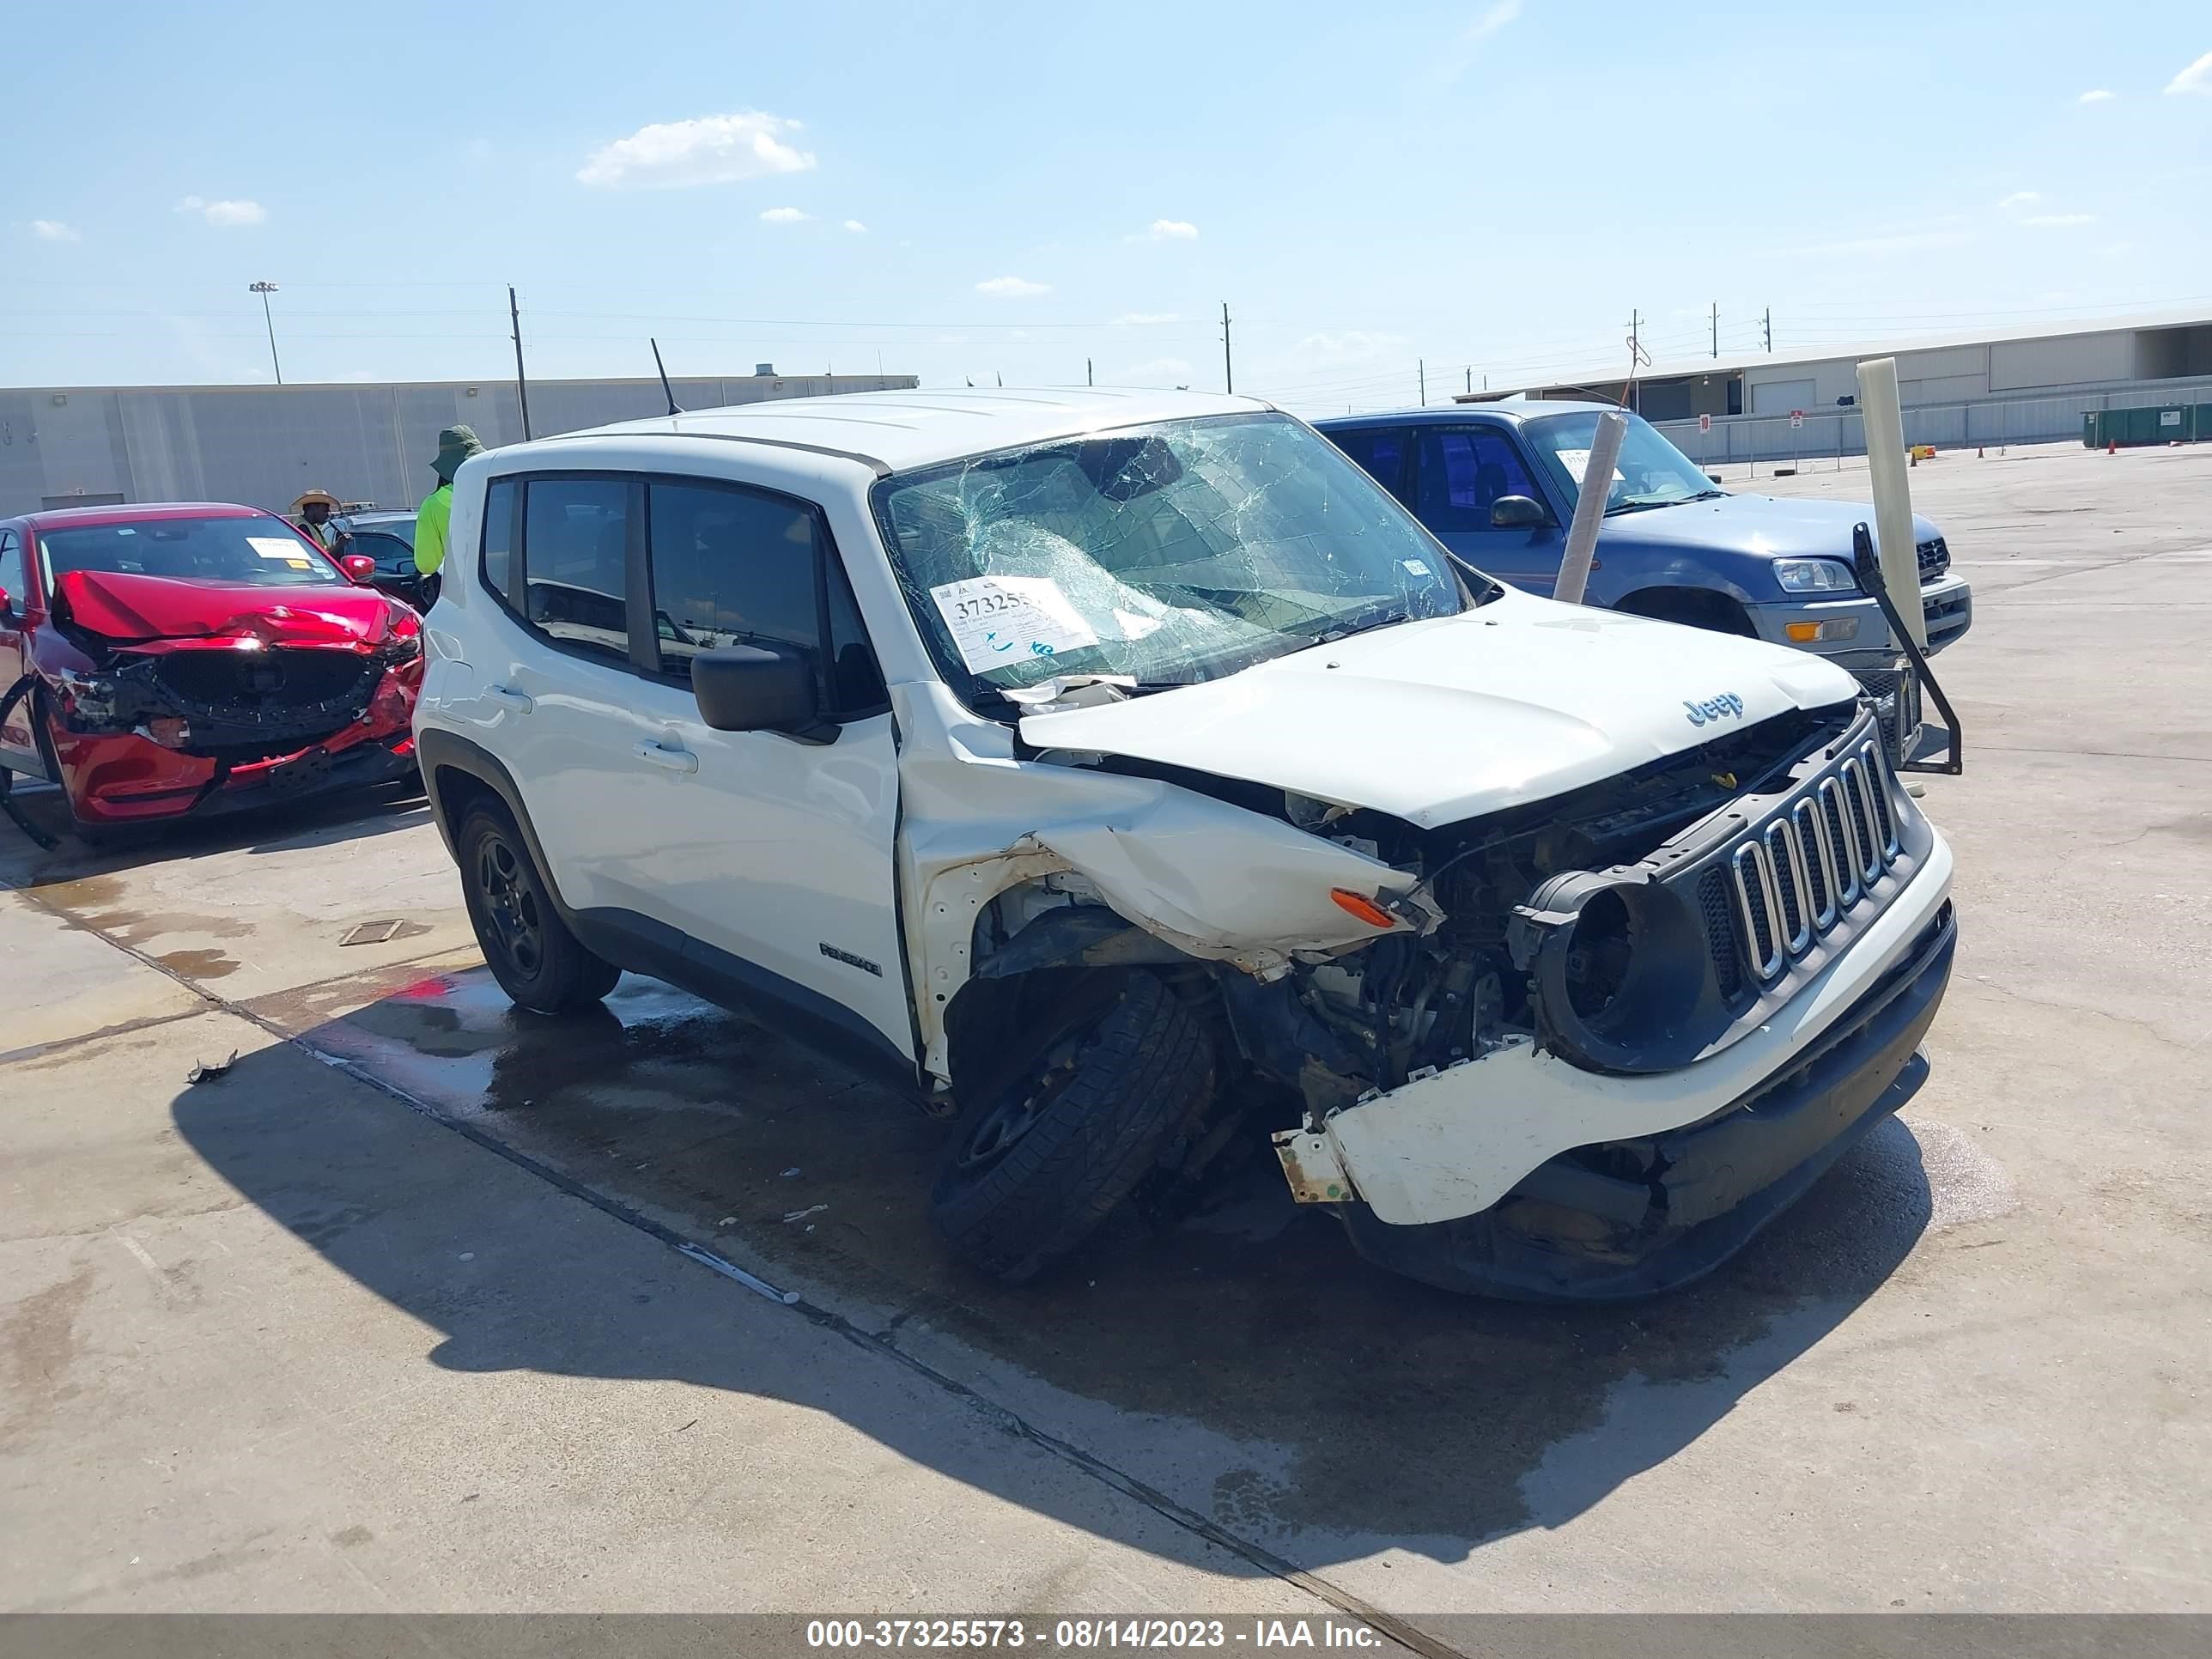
x: 264, y: 289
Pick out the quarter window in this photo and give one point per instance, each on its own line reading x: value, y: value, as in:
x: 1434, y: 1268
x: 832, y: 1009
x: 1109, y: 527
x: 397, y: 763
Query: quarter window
x: 11, y: 573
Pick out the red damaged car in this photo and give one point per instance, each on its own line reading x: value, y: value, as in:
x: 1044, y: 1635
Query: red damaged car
x: 157, y: 661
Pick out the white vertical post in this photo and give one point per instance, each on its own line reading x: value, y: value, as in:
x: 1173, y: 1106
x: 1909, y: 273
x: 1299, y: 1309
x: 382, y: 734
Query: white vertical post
x: 1892, y: 491
x: 1590, y: 507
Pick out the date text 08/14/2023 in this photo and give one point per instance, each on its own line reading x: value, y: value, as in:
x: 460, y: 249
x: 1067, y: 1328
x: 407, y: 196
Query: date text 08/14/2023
x: 1082, y: 1635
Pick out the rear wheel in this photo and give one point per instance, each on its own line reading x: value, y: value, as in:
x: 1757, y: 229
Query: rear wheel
x: 536, y: 959
x: 1038, y: 1165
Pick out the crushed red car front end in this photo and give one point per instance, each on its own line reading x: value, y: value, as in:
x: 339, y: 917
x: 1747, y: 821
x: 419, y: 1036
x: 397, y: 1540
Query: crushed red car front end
x: 198, y: 698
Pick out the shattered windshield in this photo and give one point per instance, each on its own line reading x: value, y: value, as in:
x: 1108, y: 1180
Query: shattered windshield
x: 1650, y: 473
x: 1167, y: 554
x: 238, y: 552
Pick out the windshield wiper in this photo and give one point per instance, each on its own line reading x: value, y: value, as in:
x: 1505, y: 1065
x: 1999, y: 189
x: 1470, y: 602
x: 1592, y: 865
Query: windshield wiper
x: 1638, y: 506
x: 1361, y: 622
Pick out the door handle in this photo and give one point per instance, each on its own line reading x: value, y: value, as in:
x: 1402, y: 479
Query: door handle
x: 507, y: 698
x: 676, y: 760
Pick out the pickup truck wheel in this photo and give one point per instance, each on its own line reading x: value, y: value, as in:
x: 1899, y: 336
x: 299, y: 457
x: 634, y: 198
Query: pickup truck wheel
x: 538, y: 962
x: 1034, y: 1169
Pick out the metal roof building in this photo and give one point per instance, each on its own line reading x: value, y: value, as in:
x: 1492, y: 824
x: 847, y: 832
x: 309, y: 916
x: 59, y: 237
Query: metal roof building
x: 2019, y: 385
x: 264, y: 445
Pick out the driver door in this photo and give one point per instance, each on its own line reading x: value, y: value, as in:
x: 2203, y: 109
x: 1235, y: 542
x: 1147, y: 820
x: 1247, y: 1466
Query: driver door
x: 1460, y: 473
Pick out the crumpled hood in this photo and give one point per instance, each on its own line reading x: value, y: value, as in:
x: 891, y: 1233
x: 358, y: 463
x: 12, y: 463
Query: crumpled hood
x: 1771, y: 526
x: 129, y: 609
x: 1516, y: 701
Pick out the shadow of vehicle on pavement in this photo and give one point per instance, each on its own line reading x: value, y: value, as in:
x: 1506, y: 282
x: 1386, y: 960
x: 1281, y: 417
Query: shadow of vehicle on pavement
x: 1242, y: 1360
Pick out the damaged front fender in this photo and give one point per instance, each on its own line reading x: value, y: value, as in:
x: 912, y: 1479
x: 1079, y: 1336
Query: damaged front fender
x: 1217, y: 882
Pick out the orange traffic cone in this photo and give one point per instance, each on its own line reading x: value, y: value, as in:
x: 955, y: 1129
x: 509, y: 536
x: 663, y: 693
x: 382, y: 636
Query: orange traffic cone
x: 2111, y: 446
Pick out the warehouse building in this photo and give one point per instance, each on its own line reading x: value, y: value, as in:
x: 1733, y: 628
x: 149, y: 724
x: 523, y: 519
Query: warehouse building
x: 1987, y: 386
x: 366, y: 444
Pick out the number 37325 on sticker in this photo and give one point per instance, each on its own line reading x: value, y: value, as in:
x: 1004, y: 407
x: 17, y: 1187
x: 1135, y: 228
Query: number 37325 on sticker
x: 995, y: 620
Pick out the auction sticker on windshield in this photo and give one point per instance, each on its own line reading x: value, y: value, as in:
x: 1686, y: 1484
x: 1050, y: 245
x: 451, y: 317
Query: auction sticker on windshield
x: 996, y: 620
x: 1576, y: 461
x: 277, y: 547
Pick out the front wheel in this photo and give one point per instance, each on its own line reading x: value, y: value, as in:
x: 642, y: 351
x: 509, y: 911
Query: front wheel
x: 1034, y: 1168
x: 529, y: 949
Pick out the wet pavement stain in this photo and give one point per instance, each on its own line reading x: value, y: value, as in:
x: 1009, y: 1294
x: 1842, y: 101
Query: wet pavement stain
x: 1365, y: 1405
x: 198, y: 964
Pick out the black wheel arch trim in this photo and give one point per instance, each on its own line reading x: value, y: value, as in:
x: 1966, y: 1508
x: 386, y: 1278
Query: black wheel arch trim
x: 646, y: 946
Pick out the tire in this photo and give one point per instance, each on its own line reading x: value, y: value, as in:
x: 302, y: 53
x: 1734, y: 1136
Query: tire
x: 96, y: 837
x: 1036, y: 1169
x: 538, y: 962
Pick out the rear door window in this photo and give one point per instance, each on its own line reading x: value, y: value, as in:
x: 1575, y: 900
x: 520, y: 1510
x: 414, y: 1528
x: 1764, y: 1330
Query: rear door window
x: 575, y: 563
x: 1381, y: 452
x: 1463, y: 471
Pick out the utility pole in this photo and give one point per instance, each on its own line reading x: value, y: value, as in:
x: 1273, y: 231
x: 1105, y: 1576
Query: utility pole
x: 521, y: 382
x: 1470, y: 380
x: 1087, y: 380
x: 1228, y: 372
x: 264, y: 289
x: 1769, y: 324
x: 1717, y: 330
x: 1422, y: 369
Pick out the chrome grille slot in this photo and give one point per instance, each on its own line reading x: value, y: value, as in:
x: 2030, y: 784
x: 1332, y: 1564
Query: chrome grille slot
x: 1860, y: 800
x: 1820, y: 861
x: 1846, y: 849
x: 1756, y: 906
x: 1787, y: 860
x: 1884, y: 823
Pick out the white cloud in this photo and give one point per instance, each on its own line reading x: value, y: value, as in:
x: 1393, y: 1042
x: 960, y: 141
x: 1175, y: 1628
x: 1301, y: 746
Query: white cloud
x: 1903, y: 241
x: 1160, y: 371
x: 1352, y: 346
x: 1459, y: 55
x: 53, y: 230
x: 1011, y: 288
x: 714, y: 149
x: 2020, y: 198
x: 856, y: 226
x: 1128, y: 317
x: 2198, y: 77
x: 2059, y: 220
x: 784, y: 216
x: 2095, y: 96
x: 1172, y: 230
x: 224, y: 213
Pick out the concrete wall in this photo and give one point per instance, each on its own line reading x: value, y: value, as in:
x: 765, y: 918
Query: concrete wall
x: 264, y: 445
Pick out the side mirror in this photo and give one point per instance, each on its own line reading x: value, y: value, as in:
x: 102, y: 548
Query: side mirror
x: 1517, y: 513
x: 359, y: 566
x: 7, y: 603
x: 742, y: 688
x: 1713, y: 476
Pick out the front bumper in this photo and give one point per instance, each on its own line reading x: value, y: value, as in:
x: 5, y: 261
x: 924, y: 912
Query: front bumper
x: 1946, y: 605
x: 114, y: 780
x: 1456, y: 1142
x: 1571, y: 1232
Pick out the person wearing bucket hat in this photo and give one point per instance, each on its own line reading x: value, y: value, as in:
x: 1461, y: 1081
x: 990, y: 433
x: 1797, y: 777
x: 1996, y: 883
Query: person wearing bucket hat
x: 312, y: 512
x: 455, y: 445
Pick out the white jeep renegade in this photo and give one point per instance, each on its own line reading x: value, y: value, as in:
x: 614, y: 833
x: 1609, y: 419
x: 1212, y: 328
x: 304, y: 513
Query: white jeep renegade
x: 1129, y: 775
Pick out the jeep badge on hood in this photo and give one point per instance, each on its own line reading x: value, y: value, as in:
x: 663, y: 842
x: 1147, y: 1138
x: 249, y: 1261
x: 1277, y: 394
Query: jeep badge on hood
x: 1728, y: 703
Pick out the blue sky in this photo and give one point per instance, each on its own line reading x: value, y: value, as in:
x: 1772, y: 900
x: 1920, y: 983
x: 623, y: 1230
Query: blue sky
x: 987, y: 190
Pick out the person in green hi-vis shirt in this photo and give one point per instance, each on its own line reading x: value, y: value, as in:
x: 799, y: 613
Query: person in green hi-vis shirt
x: 455, y: 445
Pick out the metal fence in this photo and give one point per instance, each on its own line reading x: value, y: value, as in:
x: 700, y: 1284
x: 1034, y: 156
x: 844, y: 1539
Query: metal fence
x: 263, y: 445
x: 1832, y: 434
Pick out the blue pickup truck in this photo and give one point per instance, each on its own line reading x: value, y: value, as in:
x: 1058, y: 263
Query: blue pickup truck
x: 1497, y: 484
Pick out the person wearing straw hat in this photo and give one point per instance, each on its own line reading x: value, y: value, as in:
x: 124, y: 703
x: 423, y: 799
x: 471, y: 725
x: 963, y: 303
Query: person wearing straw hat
x: 455, y: 445
x: 311, y: 513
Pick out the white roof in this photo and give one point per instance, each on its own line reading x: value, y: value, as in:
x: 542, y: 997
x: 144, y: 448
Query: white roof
x: 897, y: 431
